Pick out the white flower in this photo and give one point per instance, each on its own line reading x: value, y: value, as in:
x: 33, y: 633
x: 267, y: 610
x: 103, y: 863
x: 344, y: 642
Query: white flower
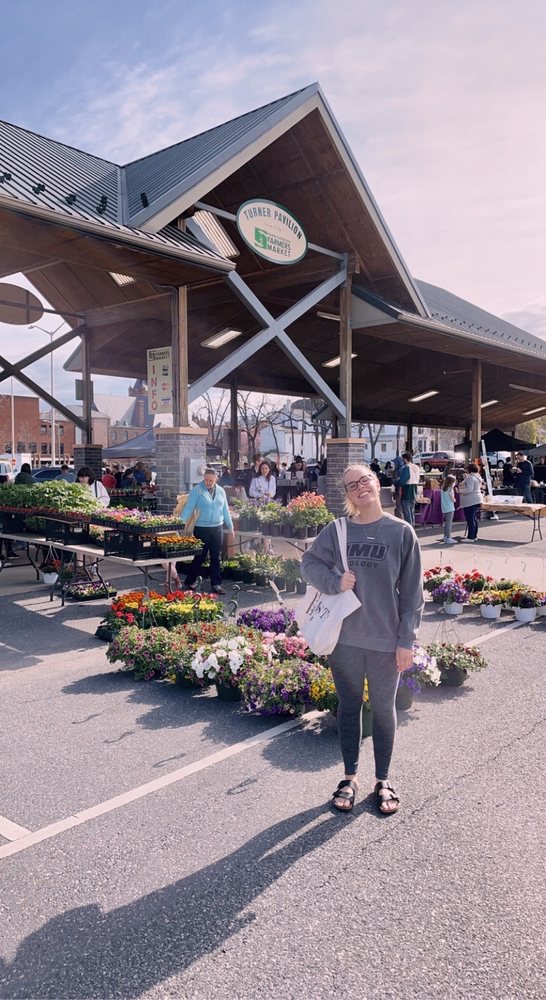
x: 233, y: 643
x: 235, y: 661
x: 212, y: 661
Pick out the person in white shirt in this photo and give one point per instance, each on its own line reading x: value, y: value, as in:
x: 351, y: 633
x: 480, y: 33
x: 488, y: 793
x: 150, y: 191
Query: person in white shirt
x: 263, y: 486
x: 86, y: 477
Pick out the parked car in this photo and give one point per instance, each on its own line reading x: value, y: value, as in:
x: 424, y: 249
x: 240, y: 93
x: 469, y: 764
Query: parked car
x: 497, y: 459
x: 430, y: 460
x: 6, y: 470
x: 48, y: 472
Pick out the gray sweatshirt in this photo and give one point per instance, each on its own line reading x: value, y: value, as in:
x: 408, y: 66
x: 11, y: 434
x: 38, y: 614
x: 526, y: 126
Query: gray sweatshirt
x: 386, y: 560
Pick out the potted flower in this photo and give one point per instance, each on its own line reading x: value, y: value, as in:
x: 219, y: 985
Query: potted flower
x: 269, y: 518
x: 433, y: 578
x: 225, y: 661
x: 423, y: 672
x: 306, y: 511
x: 525, y: 603
x: 49, y: 570
x: 474, y: 581
x: 455, y: 661
x: 452, y: 595
x: 279, y: 687
x: 291, y: 570
x: 148, y: 653
x: 266, y: 620
x: 541, y: 610
x: 490, y: 603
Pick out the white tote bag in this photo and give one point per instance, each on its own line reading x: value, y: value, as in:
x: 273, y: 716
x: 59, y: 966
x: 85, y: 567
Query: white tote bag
x: 320, y: 616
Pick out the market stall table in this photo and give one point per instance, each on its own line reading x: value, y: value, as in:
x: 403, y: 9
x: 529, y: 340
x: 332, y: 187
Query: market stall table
x: 91, y: 559
x: 531, y: 510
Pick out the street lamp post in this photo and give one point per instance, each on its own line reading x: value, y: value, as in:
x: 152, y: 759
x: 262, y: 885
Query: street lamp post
x: 51, y: 334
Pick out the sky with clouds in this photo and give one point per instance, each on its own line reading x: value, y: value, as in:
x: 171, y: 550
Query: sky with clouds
x: 442, y: 104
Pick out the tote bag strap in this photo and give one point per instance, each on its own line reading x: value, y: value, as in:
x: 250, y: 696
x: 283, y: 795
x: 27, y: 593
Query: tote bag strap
x: 341, y: 530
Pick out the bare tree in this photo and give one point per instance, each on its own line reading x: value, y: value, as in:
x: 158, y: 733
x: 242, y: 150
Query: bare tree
x: 374, y: 430
x: 211, y: 413
x: 252, y: 410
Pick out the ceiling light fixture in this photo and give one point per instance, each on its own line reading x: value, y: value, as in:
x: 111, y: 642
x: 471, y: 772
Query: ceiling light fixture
x: 122, y: 279
x: 334, y: 316
x: 423, y: 395
x: 219, y: 339
x: 537, y: 409
x: 526, y: 388
x: 334, y: 362
x: 490, y: 402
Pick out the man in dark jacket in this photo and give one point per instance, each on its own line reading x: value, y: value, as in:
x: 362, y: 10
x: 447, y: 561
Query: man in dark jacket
x: 524, y: 472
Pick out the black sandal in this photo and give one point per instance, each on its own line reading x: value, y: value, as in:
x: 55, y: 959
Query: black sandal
x: 346, y: 790
x: 389, y: 795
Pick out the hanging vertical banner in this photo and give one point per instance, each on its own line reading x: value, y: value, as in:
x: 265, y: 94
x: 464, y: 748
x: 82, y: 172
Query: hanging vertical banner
x: 160, y: 380
x: 485, y: 462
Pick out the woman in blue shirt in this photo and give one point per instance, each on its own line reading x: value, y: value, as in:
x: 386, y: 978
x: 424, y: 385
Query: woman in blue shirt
x: 209, y: 502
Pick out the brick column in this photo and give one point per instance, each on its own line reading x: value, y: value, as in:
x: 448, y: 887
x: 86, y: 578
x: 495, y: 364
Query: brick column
x: 340, y: 453
x: 173, y: 446
x: 90, y: 455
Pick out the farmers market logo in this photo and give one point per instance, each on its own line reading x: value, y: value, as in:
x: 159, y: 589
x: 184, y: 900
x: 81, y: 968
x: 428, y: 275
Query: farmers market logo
x: 366, y: 553
x: 271, y: 231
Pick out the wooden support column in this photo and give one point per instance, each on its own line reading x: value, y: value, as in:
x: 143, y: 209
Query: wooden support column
x: 476, y: 408
x: 345, y: 352
x: 233, y: 429
x: 87, y: 387
x: 409, y: 437
x: 179, y: 343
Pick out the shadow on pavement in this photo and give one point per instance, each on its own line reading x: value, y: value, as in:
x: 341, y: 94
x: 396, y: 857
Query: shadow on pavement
x: 86, y: 952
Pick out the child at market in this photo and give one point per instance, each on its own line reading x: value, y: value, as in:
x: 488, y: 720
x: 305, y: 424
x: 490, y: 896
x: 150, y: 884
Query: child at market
x: 447, y: 500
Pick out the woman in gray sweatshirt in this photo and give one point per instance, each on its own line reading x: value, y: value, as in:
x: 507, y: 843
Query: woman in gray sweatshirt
x: 376, y: 641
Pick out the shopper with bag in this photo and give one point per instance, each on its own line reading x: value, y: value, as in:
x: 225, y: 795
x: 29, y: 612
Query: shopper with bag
x: 206, y: 513
x: 383, y: 569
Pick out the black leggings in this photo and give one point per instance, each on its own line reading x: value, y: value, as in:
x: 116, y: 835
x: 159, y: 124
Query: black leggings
x: 212, y: 539
x: 350, y: 667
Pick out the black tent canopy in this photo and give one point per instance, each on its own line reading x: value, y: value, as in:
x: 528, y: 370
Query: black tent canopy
x: 497, y: 440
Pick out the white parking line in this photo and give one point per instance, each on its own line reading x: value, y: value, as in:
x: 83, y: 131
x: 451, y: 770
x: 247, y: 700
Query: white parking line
x: 47, y: 832
x: 493, y: 635
x: 11, y: 831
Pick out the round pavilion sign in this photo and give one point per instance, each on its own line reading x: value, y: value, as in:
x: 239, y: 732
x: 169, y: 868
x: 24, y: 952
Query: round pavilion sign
x: 271, y: 231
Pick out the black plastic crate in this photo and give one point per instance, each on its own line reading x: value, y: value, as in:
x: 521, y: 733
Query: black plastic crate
x: 69, y: 532
x: 132, y: 546
x: 13, y: 523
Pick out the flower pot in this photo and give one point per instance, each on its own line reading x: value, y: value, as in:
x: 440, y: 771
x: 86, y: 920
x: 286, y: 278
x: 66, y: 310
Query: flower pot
x: 266, y: 529
x: 541, y: 611
x: 186, y: 682
x: 253, y: 523
x: 105, y: 633
x: 260, y: 579
x: 248, y: 576
x: 244, y: 523
x: 490, y: 610
x: 301, y: 587
x: 287, y: 531
x: 404, y: 698
x: 525, y: 614
x: 452, y: 677
x: 236, y: 574
x: 49, y: 578
x: 300, y: 532
x: 453, y: 608
x: 290, y: 586
x: 311, y: 531
x: 227, y: 692
x: 280, y: 582
x: 366, y: 721
x: 274, y: 530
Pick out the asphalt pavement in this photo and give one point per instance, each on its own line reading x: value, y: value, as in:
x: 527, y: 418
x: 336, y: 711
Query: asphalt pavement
x: 236, y: 879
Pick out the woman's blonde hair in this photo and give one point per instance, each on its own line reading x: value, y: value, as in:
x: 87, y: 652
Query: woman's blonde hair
x: 351, y: 508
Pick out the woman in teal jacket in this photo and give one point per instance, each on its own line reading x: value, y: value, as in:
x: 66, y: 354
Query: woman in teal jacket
x: 209, y: 502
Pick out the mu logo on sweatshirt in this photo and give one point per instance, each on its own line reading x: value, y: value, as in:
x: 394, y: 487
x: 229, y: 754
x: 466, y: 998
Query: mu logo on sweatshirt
x: 366, y: 553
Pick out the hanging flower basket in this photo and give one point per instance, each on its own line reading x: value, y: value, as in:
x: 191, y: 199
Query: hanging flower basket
x: 404, y: 698
x: 49, y: 578
x: 492, y: 611
x: 453, y: 608
x: 525, y: 614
